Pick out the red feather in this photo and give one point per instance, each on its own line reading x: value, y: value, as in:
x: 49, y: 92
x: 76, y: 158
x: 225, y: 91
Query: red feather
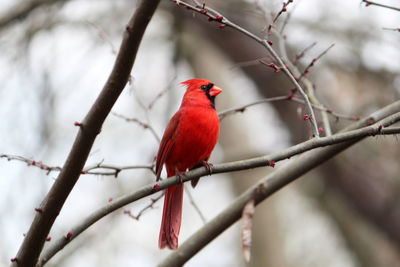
x: 188, y: 141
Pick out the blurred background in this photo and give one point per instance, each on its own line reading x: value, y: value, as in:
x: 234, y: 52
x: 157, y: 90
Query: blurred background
x: 55, y: 58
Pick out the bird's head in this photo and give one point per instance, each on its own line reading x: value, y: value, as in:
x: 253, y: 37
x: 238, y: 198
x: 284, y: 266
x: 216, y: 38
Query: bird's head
x: 200, y: 91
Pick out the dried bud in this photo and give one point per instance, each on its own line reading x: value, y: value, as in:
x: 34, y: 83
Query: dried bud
x: 219, y: 18
x: 156, y: 187
x: 272, y: 163
x: 69, y: 235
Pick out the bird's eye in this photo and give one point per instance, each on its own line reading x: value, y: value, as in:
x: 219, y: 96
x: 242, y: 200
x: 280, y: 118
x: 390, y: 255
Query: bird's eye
x: 207, y: 87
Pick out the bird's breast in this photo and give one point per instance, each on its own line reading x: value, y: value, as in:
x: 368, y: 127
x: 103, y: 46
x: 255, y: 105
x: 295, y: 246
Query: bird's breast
x: 195, y: 137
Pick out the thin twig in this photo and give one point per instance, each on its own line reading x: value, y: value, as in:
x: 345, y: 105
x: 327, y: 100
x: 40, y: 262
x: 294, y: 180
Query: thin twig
x: 283, y: 9
x: 307, y: 83
x: 195, y: 206
x: 313, y: 61
x: 302, y: 53
x: 142, y: 124
x: 32, y: 162
x: 143, y: 210
x: 93, y: 170
x: 370, y: 3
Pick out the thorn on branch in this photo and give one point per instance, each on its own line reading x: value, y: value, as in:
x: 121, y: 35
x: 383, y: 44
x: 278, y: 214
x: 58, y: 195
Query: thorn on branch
x: 48, y: 239
x: 110, y: 199
x: 14, y: 260
x: 306, y: 117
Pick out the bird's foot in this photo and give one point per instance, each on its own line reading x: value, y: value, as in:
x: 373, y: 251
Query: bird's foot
x: 179, y: 175
x: 208, y: 166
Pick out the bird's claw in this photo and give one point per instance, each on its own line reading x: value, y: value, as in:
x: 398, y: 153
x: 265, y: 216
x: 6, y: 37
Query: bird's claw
x: 180, y: 176
x: 208, y: 166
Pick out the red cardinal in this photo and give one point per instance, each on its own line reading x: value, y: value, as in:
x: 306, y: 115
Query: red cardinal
x: 187, y: 143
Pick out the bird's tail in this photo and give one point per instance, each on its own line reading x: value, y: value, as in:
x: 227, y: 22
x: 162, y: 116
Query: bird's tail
x: 171, y: 218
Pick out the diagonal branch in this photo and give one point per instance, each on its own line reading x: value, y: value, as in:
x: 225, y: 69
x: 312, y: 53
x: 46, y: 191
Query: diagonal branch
x: 263, y: 161
x: 264, y: 189
x: 89, y: 128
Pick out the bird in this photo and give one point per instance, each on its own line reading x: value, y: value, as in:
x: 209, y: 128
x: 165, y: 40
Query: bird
x: 187, y: 143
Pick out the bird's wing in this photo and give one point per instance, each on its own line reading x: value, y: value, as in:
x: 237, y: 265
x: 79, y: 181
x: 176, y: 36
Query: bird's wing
x: 167, y: 142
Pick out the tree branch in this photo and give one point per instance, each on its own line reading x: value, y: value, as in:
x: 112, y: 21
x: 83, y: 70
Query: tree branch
x: 267, y: 187
x: 90, y: 127
x: 263, y: 161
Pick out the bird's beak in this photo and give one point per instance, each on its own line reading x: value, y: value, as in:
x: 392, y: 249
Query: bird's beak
x: 215, y: 91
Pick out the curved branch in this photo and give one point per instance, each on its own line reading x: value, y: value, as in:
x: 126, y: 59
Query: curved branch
x: 265, y: 188
x: 90, y: 127
x: 268, y: 160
